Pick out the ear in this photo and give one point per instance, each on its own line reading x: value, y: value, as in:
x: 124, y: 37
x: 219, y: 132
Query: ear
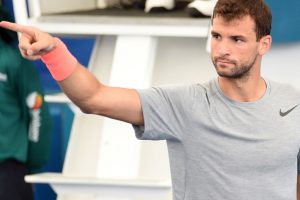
x: 265, y: 44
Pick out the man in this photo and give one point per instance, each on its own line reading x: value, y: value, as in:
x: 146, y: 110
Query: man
x: 235, y: 137
x: 25, y: 123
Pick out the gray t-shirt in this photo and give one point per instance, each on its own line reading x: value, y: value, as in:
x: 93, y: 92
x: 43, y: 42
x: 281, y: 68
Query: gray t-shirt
x: 224, y: 149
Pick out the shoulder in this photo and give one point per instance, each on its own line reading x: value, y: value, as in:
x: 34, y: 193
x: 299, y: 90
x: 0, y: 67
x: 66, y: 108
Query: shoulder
x: 283, y: 87
x: 180, y: 91
x: 9, y: 56
x: 12, y: 61
x: 181, y: 96
x: 284, y: 90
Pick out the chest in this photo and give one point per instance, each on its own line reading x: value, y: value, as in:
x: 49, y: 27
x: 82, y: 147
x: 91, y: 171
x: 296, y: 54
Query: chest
x: 244, y: 139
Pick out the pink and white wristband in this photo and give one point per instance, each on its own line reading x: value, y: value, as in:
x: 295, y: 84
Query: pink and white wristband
x: 60, y: 62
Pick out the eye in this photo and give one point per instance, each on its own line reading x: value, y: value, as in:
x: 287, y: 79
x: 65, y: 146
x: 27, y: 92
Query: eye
x: 216, y: 36
x: 237, y: 39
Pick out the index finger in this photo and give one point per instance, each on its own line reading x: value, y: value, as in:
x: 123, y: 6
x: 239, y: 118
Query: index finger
x: 17, y: 27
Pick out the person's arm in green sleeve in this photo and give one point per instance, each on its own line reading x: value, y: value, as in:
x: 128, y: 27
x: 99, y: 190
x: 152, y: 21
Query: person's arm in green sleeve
x: 39, y: 119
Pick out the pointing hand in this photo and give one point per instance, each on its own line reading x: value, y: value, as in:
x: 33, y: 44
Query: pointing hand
x: 33, y: 43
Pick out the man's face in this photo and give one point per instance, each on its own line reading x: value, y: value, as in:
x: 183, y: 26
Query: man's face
x: 234, y: 46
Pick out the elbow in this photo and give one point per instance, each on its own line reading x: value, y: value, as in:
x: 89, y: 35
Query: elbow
x: 88, y: 109
x: 90, y: 105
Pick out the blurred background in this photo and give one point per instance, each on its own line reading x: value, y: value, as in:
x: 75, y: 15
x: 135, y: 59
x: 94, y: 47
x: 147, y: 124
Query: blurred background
x: 281, y: 64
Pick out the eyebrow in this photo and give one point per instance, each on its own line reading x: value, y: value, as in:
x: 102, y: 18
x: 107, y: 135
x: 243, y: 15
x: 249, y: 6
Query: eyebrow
x: 232, y: 36
x: 214, y: 33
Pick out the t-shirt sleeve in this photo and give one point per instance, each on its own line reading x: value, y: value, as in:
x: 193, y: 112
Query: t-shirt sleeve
x: 164, y: 111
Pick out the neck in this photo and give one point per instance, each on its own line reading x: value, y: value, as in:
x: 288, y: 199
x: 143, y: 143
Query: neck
x: 245, y: 89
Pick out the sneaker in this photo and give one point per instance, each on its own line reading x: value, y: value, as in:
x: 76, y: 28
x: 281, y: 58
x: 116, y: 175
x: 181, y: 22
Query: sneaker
x: 201, y: 8
x: 159, y: 5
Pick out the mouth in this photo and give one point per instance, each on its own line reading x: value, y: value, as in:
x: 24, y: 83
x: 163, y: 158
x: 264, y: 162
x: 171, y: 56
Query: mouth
x: 223, y: 62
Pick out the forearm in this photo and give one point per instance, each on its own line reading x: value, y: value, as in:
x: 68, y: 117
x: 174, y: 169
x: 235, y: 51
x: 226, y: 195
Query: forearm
x: 82, y: 88
x: 93, y: 97
x: 88, y: 93
x: 74, y: 79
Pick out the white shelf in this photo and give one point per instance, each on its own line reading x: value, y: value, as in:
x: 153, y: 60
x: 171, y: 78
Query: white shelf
x: 62, y: 184
x: 57, y: 98
x: 94, y: 25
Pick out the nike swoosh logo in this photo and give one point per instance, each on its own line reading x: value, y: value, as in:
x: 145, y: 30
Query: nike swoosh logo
x: 283, y: 114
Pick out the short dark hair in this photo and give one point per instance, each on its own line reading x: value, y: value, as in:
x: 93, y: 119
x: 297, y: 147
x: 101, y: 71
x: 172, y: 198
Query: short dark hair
x: 258, y: 10
x: 8, y: 36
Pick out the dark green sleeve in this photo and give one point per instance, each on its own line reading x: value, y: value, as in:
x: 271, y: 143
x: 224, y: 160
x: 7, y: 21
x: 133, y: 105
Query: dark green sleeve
x: 36, y: 112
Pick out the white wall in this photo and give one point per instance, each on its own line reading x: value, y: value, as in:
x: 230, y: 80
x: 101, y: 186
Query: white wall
x: 182, y: 60
x: 282, y: 63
